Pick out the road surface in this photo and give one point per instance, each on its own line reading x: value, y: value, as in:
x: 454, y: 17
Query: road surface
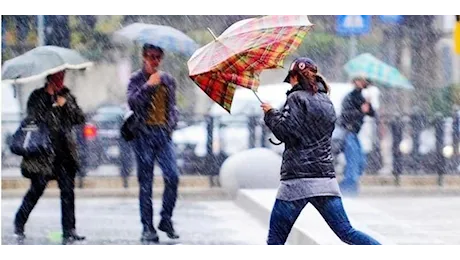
x: 117, y: 221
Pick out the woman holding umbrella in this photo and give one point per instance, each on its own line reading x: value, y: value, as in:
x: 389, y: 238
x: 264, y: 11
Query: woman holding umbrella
x: 305, y: 125
x: 54, y: 106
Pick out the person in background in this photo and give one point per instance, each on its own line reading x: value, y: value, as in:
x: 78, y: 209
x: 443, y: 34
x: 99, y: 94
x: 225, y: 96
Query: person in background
x: 152, y: 98
x: 54, y: 106
x: 354, y: 109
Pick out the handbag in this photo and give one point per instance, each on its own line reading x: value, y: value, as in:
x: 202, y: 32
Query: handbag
x: 31, y: 139
x: 130, y: 127
x: 37, y: 166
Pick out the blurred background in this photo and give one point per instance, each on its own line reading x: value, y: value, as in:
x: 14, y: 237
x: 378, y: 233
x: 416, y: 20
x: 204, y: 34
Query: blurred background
x: 420, y: 127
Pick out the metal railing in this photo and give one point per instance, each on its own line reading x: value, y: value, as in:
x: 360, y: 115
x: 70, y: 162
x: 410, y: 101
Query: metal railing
x: 412, y: 144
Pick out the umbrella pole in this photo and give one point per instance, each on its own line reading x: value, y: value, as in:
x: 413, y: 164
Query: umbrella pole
x: 212, y: 33
x: 261, y: 102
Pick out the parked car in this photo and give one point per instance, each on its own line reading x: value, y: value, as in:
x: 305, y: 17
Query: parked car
x: 231, y: 131
x: 102, y: 141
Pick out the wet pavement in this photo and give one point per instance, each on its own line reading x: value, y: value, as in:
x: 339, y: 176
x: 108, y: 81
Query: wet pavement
x: 401, y: 220
x: 116, y: 221
x: 104, y: 170
x: 414, y: 220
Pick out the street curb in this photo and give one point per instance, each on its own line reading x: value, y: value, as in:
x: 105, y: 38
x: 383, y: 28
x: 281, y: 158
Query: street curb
x: 262, y: 214
x: 407, y: 180
x: 415, y: 191
x: 207, y: 193
x: 200, y: 181
x: 201, y: 194
x: 108, y: 182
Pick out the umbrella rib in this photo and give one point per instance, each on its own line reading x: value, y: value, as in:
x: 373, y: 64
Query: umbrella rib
x: 233, y: 52
x: 276, y: 40
x: 268, y: 45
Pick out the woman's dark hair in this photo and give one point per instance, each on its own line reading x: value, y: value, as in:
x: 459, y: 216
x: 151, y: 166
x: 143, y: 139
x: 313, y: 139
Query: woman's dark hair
x: 320, y: 79
x: 312, y: 85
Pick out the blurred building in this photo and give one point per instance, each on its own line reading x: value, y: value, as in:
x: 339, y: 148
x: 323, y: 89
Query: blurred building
x: 446, y: 50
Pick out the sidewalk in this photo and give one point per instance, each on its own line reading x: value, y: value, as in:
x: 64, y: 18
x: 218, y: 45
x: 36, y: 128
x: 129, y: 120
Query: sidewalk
x: 399, y: 220
x: 207, y: 193
x: 116, y: 221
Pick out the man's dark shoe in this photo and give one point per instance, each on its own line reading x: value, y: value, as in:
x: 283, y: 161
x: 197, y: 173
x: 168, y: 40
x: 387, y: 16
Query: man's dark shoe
x: 70, y: 237
x: 150, y: 237
x: 167, y: 227
x: 20, y: 236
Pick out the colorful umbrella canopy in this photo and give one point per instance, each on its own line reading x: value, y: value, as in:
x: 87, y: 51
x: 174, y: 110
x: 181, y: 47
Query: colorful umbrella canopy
x: 243, y: 51
x: 368, y: 66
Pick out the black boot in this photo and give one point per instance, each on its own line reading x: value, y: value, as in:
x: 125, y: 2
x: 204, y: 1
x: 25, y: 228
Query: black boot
x: 68, y: 237
x: 167, y: 227
x: 150, y: 237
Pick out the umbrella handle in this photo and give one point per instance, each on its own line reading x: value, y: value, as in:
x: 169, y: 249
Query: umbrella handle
x: 271, y: 141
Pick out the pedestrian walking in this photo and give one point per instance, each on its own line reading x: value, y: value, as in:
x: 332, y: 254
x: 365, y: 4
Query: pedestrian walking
x: 354, y: 108
x: 305, y: 125
x: 152, y: 98
x: 55, y: 107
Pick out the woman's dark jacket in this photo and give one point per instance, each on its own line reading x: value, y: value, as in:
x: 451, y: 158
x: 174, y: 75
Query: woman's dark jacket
x: 60, y: 122
x: 305, y: 125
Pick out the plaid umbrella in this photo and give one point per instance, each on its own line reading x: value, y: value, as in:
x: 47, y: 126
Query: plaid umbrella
x: 243, y: 51
x: 376, y: 70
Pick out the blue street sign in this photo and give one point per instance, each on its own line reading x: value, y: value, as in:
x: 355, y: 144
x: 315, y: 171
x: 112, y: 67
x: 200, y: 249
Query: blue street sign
x: 391, y: 19
x: 348, y: 25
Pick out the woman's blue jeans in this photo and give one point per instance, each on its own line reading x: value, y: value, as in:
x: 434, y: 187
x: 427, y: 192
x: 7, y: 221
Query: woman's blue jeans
x: 285, y: 213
